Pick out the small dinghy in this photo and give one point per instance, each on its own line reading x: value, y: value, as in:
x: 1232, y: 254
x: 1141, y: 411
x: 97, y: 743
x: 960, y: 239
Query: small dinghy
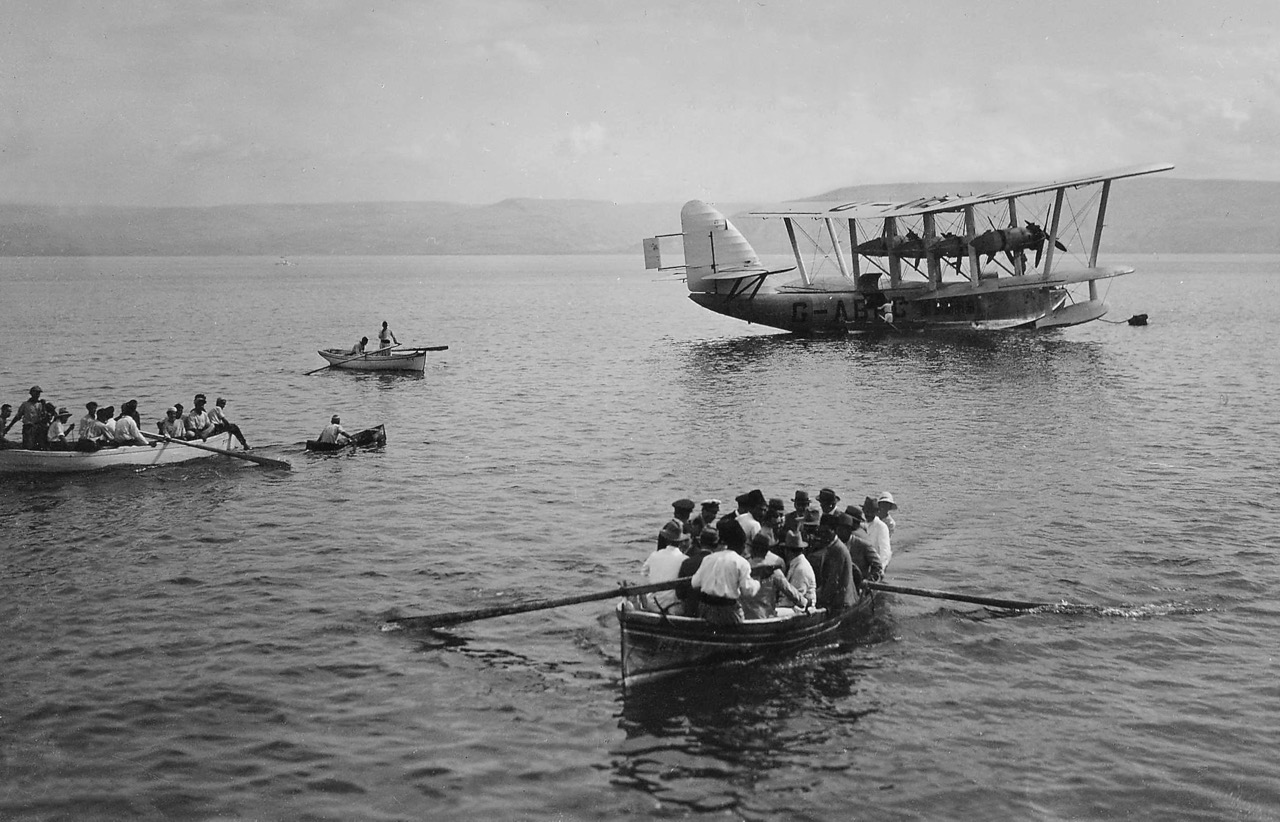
x: 368, y: 438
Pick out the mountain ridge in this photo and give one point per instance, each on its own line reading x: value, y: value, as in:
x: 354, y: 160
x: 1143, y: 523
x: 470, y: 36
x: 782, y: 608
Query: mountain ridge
x: 1145, y: 215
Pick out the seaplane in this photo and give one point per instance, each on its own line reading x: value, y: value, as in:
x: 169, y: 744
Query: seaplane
x: 1023, y: 256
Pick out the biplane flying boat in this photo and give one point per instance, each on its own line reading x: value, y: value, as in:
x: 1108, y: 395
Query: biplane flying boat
x: 949, y: 262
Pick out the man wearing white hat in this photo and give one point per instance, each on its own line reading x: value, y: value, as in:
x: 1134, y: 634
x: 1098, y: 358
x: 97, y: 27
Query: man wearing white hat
x: 885, y: 504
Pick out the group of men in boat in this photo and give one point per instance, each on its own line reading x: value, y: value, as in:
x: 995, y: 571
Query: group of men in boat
x: 760, y: 560
x: 46, y: 427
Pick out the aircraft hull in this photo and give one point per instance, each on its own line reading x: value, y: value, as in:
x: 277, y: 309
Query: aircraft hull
x: 848, y: 312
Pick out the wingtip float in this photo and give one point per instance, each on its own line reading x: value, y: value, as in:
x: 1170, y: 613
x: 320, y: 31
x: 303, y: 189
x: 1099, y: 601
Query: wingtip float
x: 948, y: 263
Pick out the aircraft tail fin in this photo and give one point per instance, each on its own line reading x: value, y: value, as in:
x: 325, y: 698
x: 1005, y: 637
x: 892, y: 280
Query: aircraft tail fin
x: 713, y: 248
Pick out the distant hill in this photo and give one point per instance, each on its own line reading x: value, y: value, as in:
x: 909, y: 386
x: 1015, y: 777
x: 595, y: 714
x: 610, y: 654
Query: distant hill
x: 1151, y: 214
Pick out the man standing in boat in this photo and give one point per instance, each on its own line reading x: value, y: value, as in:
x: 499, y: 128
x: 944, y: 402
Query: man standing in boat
x: 386, y: 337
x: 836, y: 590
x: 30, y: 412
x: 724, y: 577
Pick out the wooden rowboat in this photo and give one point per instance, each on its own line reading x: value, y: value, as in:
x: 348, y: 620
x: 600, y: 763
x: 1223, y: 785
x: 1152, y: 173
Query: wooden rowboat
x: 20, y: 460
x: 368, y: 437
x: 400, y: 359
x: 655, y: 645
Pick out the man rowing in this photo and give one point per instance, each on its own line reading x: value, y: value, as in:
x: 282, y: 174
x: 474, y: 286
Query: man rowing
x: 126, y: 431
x: 358, y: 348
x: 334, y: 433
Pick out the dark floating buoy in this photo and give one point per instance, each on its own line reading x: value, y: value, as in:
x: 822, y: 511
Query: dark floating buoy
x: 1138, y: 319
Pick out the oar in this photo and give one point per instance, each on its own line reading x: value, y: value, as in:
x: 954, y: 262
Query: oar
x: 456, y: 617
x: 240, y: 455
x: 1012, y: 604
x: 351, y: 359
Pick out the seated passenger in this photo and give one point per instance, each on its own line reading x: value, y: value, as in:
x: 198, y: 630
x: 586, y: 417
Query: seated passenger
x: 197, y: 422
x: 836, y: 590
x: 171, y: 426
x: 127, y: 432
x: 799, y: 571
x: 59, y: 430
x: 92, y: 408
x: 708, y: 541
x: 724, y: 578
x: 96, y: 434
x: 222, y: 425
x: 852, y: 532
x: 358, y: 348
x: 773, y: 584
x: 663, y: 565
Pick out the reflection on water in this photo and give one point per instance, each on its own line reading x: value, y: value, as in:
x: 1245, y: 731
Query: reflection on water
x: 738, y: 736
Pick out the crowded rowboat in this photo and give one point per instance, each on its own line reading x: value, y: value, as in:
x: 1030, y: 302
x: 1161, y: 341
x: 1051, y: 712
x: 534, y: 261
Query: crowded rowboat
x: 102, y: 439
x: 733, y: 599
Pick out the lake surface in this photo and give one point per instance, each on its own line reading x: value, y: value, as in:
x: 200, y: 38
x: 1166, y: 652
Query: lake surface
x: 202, y: 641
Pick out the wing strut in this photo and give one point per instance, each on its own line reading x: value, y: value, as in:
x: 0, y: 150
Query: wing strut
x: 795, y: 249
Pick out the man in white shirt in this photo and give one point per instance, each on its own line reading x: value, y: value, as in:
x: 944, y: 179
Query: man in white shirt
x: 723, y: 577
x: 92, y: 416
x: 59, y: 430
x: 197, y: 421
x: 878, y: 536
x: 126, y: 433
x: 885, y: 504
x: 754, y: 508
x: 223, y: 425
x: 334, y: 433
x: 663, y: 565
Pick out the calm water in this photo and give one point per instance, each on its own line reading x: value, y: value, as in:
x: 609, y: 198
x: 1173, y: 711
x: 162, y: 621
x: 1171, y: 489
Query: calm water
x: 202, y: 641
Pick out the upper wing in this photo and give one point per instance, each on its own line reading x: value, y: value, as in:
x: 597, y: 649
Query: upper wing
x: 941, y: 203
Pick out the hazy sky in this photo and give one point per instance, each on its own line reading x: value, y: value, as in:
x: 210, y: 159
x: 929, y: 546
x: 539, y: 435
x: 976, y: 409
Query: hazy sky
x: 202, y: 103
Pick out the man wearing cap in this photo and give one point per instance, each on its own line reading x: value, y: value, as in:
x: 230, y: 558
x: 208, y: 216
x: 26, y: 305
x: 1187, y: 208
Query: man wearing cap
x: 196, y: 422
x: 59, y: 430
x: 334, y: 433
x: 31, y: 412
x: 724, y: 577
x: 680, y: 511
x: 171, y: 426
x: 222, y: 425
x: 663, y: 565
x: 709, y: 509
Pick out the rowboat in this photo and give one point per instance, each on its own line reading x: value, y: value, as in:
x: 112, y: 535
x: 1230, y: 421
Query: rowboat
x: 369, y: 436
x: 656, y: 645
x: 400, y: 359
x: 20, y: 460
